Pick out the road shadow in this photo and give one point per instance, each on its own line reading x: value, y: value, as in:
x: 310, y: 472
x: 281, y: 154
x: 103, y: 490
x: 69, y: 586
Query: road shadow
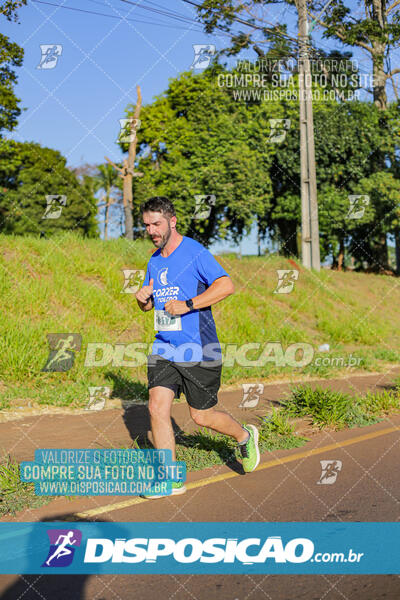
x: 134, y: 398
x: 198, y: 440
x: 389, y: 387
x: 134, y: 401
x: 52, y: 586
x: 127, y: 389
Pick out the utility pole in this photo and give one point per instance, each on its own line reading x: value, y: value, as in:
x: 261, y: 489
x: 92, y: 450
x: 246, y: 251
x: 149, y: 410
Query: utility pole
x: 127, y: 172
x: 309, y: 204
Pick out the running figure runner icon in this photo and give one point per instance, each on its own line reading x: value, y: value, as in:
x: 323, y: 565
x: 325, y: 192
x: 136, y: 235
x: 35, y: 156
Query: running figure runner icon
x: 62, y: 549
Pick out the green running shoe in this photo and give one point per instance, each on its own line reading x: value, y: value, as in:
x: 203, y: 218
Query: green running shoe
x: 178, y: 487
x: 249, y: 451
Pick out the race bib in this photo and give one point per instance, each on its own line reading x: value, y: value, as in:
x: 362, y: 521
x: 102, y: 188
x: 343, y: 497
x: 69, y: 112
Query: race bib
x: 163, y: 321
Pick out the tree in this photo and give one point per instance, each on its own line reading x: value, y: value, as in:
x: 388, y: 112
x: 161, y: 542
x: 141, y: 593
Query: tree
x: 196, y: 140
x: 40, y: 195
x: 11, y: 56
x: 9, y: 8
x: 378, y: 32
x: 350, y: 139
x: 369, y: 240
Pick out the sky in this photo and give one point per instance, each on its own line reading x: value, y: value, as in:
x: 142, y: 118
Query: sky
x: 76, y: 106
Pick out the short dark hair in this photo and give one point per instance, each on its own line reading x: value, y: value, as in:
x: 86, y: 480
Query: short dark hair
x: 158, y: 204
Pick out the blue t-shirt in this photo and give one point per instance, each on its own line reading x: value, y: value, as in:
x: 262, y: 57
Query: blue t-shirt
x: 184, y: 274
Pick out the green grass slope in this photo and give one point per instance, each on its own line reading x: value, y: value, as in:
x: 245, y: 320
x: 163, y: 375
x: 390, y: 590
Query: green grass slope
x: 70, y: 285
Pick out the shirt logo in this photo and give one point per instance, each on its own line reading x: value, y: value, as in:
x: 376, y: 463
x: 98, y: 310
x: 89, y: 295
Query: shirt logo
x: 162, y: 276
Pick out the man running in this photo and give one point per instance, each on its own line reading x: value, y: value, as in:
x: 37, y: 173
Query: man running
x: 183, y: 280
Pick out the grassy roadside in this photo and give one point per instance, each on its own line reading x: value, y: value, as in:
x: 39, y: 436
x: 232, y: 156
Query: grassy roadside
x: 16, y: 495
x: 71, y: 285
x: 202, y: 449
x: 327, y: 408
x: 322, y: 408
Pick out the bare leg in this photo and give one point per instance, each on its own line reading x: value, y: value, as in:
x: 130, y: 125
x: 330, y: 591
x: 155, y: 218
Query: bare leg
x: 160, y: 402
x: 220, y: 421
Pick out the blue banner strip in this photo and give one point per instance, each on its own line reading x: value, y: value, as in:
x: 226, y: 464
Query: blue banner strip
x: 199, y: 548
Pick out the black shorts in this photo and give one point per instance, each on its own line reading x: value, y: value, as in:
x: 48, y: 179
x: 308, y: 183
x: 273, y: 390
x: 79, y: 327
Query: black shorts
x: 199, y: 383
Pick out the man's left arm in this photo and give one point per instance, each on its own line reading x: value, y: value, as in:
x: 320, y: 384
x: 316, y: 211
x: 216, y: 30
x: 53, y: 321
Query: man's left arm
x: 218, y: 290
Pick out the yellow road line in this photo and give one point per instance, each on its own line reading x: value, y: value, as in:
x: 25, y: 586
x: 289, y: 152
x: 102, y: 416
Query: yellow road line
x: 224, y: 476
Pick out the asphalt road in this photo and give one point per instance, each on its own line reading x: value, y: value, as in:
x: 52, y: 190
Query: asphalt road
x: 283, y: 488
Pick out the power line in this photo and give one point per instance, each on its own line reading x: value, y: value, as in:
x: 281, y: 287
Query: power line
x: 163, y: 12
x: 248, y: 24
x: 160, y: 9
x: 175, y: 15
x: 168, y: 14
x: 122, y: 18
x: 279, y: 34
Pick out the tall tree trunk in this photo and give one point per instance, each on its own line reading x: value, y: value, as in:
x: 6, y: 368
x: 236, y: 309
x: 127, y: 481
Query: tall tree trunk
x: 381, y: 253
x: 376, y: 41
x: 106, y: 218
x: 127, y: 194
x: 130, y: 166
x: 378, y: 55
x: 397, y: 250
x: 128, y: 171
x: 379, y: 77
x: 340, y: 260
x: 288, y: 238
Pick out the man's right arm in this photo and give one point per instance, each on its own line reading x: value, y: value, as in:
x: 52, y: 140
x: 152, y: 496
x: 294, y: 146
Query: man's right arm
x: 145, y: 306
x: 144, y: 297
